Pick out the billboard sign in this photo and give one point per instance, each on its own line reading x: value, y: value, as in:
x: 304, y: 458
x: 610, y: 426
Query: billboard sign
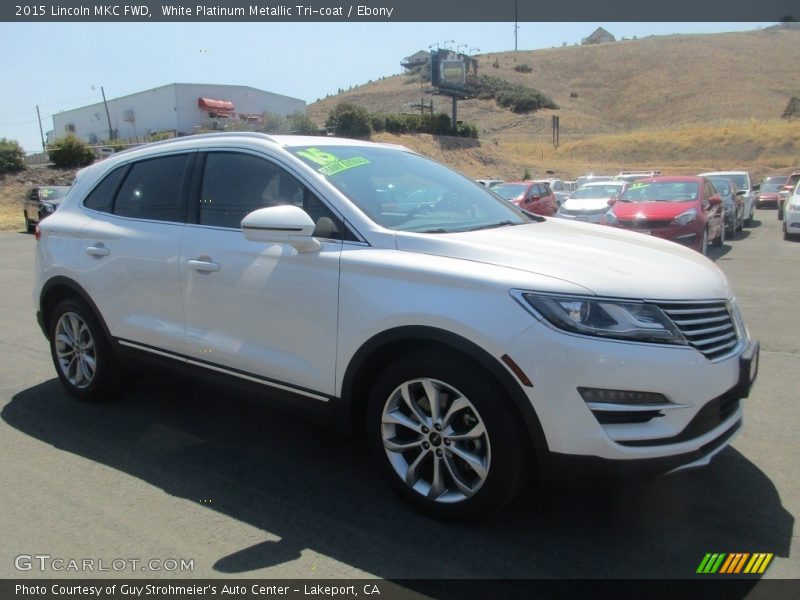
x: 453, y: 72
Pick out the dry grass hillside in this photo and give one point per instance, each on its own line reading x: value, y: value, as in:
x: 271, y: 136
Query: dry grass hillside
x: 655, y: 82
x: 679, y: 104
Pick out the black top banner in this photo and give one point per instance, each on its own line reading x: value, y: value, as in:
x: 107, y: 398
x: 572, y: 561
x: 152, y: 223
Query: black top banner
x: 400, y: 10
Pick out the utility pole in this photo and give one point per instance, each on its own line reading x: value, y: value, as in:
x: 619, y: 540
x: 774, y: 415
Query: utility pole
x: 516, y: 23
x: 108, y: 116
x: 41, y: 131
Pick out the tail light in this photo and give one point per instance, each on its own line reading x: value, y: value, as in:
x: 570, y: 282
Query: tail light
x: 38, y: 233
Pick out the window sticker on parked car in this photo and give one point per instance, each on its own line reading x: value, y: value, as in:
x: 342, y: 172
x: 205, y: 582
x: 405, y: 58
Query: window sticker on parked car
x: 45, y: 192
x: 634, y: 186
x: 330, y: 163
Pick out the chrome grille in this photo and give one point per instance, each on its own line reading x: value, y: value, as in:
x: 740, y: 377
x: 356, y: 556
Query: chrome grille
x: 707, y: 326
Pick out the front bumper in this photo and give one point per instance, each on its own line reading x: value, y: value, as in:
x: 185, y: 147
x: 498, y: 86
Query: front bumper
x: 704, y: 397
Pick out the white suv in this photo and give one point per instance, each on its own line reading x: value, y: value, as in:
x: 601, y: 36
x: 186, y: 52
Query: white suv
x: 468, y: 340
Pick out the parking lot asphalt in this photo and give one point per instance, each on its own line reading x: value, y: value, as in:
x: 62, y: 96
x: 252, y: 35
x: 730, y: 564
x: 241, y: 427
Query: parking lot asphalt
x: 174, y: 470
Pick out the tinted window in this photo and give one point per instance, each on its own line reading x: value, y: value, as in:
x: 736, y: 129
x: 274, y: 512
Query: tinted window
x: 152, y: 189
x: 102, y: 196
x: 236, y: 184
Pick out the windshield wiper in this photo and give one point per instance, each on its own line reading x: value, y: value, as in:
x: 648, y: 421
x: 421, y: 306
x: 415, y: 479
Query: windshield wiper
x: 493, y: 225
x: 437, y: 230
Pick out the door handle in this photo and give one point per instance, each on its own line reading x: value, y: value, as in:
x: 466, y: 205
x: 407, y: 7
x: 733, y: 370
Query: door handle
x: 98, y: 250
x: 205, y: 266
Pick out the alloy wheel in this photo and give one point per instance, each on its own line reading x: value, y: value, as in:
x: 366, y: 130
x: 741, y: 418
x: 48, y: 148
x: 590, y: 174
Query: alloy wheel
x: 435, y: 440
x: 75, y: 350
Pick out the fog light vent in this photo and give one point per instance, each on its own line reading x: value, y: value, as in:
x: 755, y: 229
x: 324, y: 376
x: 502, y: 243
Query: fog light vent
x: 623, y: 407
x: 595, y: 395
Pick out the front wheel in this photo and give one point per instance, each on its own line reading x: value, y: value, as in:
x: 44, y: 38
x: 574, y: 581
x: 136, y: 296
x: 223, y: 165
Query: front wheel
x: 29, y: 227
x: 720, y: 239
x: 446, y: 437
x: 704, y: 242
x: 81, y: 353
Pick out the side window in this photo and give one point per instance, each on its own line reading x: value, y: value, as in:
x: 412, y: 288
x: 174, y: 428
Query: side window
x: 152, y: 189
x: 102, y: 196
x: 235, y: 184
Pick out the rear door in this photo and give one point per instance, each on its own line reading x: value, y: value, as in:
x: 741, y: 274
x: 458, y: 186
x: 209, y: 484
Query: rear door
x: 129, y: 252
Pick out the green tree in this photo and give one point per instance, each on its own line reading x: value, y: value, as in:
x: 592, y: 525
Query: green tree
x: 70, y: 152
x: 350, y: 120
x: 301, y: 123
x: 12, y: 157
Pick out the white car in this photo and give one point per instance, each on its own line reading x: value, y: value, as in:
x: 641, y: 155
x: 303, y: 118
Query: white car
x: 395, y: 297
x: 791, y: 214
x: 743, y: 182
x: 591, y: 201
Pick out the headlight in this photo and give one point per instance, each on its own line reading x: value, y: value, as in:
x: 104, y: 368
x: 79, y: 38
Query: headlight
x: 686, y: 217
x: 607, y: 318
x: 610, y: 218
x: 48, y: 208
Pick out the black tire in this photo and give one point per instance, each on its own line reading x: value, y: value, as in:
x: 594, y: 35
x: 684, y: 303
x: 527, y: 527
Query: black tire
x: 780, y: 215
x: 29, y: 227
x: 82, y: 355
x: 704, y: 243
x: 720, y: 239
x: 498, y: 457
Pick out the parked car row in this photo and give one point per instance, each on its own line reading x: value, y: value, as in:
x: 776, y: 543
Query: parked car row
x: 696, y: 211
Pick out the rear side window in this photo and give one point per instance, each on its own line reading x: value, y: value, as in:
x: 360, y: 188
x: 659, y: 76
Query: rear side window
x: 102, y: 196
x: 152, y: 189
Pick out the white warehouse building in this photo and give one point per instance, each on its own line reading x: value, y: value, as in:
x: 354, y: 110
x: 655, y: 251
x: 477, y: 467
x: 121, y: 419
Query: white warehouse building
x: 179, y: 108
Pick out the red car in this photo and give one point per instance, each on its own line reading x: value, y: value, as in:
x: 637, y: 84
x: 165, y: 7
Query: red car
x: 769, y: 190
x: 687, y: 210
x: 533, y: 196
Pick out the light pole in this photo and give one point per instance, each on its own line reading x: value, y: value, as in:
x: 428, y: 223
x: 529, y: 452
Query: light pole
x: 108, y: 115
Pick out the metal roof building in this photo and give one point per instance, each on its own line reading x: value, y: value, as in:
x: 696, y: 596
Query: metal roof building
x: 180, y: 108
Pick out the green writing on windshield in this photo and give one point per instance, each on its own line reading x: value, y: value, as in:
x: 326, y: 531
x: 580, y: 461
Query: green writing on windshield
x: 634, y: 186
x: 330, y: 163
x: 343, y: 165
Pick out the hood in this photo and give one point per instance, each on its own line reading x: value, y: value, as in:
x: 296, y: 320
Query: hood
x: 589, y: 204
x: 654, y: 211
x: 605, y: 261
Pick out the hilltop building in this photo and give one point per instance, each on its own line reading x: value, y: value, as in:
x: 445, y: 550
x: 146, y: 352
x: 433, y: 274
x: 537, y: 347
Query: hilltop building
x: 178, y: 108
x: 600, y: 36
x: 418, y: 59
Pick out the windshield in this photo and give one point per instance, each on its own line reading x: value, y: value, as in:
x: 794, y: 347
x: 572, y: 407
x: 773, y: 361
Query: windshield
x: 723, y: 186
x: 52, y: 193
x: 772, y: 187
x: 403, y: 191
x: 661, y: 191
x: 740, y: 181
x: 596, y: 191
x: 510, y: 191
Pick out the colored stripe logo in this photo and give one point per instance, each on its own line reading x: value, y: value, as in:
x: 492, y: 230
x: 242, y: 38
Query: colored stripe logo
x: 734, y: 563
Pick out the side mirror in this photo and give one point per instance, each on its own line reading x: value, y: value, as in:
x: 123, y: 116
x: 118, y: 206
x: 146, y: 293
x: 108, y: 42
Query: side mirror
x: 741, y: 192
x: 715, y: 200
x: 281, y: 225
x: 612, y: 201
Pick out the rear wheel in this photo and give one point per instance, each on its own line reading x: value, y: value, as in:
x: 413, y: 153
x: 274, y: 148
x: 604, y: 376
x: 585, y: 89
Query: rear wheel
x: 81, y: 353
x: 29, y: 227
x: 444, y: 435
x: 704, y: 242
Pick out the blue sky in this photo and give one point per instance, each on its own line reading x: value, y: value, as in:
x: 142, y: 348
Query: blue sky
x: 60, y: 66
